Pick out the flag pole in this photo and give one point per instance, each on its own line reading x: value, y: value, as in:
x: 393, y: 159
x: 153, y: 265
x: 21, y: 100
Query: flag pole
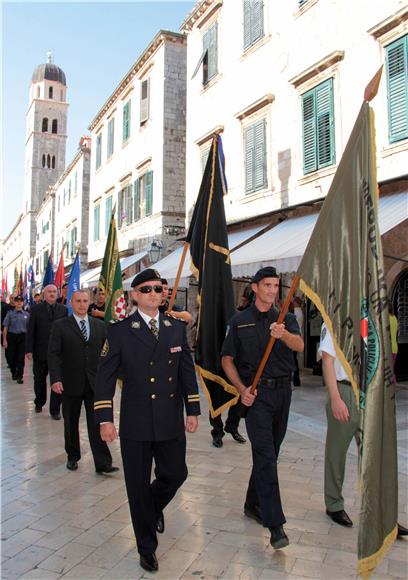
x: 179, y: 271
x: 272, y: 339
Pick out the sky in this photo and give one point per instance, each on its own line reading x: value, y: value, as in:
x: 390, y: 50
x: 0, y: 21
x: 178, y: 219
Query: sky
x: 94, y: 43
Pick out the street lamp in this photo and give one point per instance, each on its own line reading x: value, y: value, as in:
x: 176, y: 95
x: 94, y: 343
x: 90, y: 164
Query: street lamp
x: 155, y: 251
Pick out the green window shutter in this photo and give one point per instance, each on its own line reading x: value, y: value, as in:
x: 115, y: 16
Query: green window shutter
x: 129, y: 200
x: 96, y: 223
x: 257, y: 23
x: 136, y: 201
x: 144, y: 100
x: 126, y: 121
x: 98, y: 150
x: 325, y: 124
x: 210, y: 40
x: 108, y: 213
x: 309, y: 132
x: 247, y: 24
x: 149, y: 192
x: 249, y: 159
x: 397, y: 88
x: 111, y: 138
x: 120, y: 208
x: 260, y: 155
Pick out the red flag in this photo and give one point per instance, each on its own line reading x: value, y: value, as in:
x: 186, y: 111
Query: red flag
x: 60, y: 274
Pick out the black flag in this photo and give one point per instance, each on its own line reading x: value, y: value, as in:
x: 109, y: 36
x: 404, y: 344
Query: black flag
x: 211, y: 266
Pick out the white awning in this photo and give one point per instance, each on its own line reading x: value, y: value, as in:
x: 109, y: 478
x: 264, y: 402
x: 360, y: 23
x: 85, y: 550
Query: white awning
x: 283, y: 246
x: 168, y: 266
x: 92, y: 277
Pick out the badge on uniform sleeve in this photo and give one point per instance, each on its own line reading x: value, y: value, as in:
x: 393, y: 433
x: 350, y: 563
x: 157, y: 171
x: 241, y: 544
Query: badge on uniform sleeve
x: 105, y: 348
x: 136, y: 324
x: 166, y: 322
x: 324, y: 330
x: 175, y: 349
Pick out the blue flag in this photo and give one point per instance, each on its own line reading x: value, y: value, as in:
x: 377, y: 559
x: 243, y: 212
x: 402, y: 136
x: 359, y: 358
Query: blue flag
x: 28, y: 295
x: 74, y: 283
x: 49, y: 273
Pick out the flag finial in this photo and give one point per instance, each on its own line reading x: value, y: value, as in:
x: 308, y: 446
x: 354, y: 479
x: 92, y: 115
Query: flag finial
x: 371, y: 89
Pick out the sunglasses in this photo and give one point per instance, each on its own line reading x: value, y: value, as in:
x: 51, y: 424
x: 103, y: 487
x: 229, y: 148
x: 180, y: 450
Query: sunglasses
x: 147, y: 289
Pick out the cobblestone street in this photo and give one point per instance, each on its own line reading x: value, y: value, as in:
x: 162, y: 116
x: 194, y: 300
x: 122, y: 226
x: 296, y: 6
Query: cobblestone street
x: 57, y: 523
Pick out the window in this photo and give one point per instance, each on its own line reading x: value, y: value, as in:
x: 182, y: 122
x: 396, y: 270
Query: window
x: 43, y: 160
x: 318, y: 127
x: 76, y: 184
x: 108, y: 213
x: 50, y: 92
x: 48, y: 161
x: 111, y: 138
x: 255, y: 156
x: 204, y: 156
x: 396, y: 59
x: 73, y: 241
x: 45, y: 125
x: 210, y: 50
x: 37, y: 266
x: 38, y: 92
x: 69, y: 192
x: 45, y: 259
x: 126, y: 121
x: 301, y: 2
x: 59, y: 203
x: 98, y: 150
x: 144, y: 101
x: 97, y: 210
x: 143, y: 196
x: 62, y: 95
x: 55, y: 125
x: 253, y: 22
x: 53, y: 162
x: 125, y: 206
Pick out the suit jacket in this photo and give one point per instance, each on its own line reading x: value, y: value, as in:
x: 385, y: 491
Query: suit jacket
x: 39, y: 328
x: 71, y: 359
x: 158, y: 379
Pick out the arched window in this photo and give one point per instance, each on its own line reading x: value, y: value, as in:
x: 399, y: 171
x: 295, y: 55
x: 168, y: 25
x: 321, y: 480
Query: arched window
x: 38, y: 92
x: 62, y: 95
x: 48, y: 161
x: 55, y: 125
x: 45, y: 125
x: 43, y: 160
x: 50, y: 91
x: 53, y: 162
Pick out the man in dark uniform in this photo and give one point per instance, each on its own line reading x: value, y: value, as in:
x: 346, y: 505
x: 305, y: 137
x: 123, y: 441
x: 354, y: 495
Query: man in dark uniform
x: 4, y: 309
x: 14, y: 337
x: 248, y: 334
x: 159, y: 381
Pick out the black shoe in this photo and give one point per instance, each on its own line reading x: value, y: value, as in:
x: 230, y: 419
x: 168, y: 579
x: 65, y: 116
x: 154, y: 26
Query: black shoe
x: 107, y: 469
x: 402, y: 531
x: 38, y: 409
x: 56, y: 417
x: 217, y: 442
x: 278, y: 538
x: 160, y: 523
x: 253, y: 512
x: 340, y: 517
x: 149, y: 562
x: 236, y: 436
x: 72, y: 465
x: 14, y: 377
x: 20, y: 381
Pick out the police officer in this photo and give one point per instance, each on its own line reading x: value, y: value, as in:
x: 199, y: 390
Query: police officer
x: 158, y: 383
x: 266, y: 421
x: 14, y: 337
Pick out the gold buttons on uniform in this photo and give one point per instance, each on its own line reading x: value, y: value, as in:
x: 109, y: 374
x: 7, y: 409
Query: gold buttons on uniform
x: 170, y: 379
x: 153, y: 396
x: 171, y: 395
x: 151, y: 363
x: 170, y: 361
x: 152, y: 379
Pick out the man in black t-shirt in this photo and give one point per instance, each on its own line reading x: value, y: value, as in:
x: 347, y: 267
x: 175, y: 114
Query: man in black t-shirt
x: 248, y: 333
x: 97, y: 309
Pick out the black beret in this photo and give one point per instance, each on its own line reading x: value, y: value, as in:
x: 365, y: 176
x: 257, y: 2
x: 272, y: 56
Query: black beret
x: 148, y: 275
x: 268, y: 272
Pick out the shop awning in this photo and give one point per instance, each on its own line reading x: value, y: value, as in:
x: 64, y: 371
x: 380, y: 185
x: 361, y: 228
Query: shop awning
x: 283, y: 246
x: 168, y: 266
x: 92, y: 278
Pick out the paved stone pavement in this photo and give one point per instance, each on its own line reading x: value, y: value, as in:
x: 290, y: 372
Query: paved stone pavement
x: 57, y: 523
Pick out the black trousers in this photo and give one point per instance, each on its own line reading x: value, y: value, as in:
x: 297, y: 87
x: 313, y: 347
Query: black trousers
x: 231, y: 424
x: 40, y: 370
x: 16, y: 353
x: 266, y: 424
x: 71, y: 411
x: 147, y: 498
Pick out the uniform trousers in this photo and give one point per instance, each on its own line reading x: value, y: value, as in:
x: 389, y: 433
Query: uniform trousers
x: 147, y: 499
x: 266, y: 424
x: 40, y: 370
x: 16, y: 353
x: 338, y: 439
x: 231, y: 424
x: 71, y: 411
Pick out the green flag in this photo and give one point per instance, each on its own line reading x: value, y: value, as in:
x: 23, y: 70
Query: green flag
x: 111, y: 278
x: 342, y: 272
x: 211, y: 265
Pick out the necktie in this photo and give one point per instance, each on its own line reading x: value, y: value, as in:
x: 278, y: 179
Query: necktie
x: 153, y: 328
x: 83, y: 330
x: 51, y: 313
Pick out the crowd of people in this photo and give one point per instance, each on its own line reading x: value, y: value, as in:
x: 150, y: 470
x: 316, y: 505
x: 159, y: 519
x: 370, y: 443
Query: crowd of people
x: 148, y: 353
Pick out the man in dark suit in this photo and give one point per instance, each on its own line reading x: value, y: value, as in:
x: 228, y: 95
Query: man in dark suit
x: 73, y: 355
x: 42, y: 318
x: 158, y: 383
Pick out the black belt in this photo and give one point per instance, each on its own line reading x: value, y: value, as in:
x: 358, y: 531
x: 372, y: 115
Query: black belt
x: 345, y: 383
x: 282, y: 381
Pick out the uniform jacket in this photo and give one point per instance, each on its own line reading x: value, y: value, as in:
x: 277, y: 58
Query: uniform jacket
x: 158, y: 379
x: 71, y: 359
x: 39, y: 329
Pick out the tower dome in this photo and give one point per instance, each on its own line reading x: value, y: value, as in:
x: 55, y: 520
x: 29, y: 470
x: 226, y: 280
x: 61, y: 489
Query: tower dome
x: 49, y: 71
